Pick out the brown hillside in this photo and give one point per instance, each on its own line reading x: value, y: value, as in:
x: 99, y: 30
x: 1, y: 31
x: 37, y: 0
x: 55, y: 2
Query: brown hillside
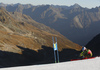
x: 16, y: 30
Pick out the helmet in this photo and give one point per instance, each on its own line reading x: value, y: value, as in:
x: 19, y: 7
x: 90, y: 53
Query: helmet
x: 89, y: 52
x: 83, y: 48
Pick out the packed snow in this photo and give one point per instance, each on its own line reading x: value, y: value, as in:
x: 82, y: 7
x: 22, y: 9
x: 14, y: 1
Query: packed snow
x: 86, y: 64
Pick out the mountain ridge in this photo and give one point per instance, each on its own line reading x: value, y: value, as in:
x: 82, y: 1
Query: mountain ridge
x: 28, y: 28
x: 94, y: 45
x: 23, y: 41
x: 74, y: 22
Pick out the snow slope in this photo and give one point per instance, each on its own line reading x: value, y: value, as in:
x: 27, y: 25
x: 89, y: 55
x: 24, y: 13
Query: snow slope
x: 87, y: 64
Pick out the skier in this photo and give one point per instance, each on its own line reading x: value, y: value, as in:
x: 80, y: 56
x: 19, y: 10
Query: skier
x: 86, y: 53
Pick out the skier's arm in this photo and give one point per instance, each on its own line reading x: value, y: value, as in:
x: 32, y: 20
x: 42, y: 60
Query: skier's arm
x: 81, y: 54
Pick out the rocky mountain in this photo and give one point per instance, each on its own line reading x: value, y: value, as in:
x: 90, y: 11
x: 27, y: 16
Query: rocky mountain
x: 24, y: 41
x: 76, y: 23
x: 94, y: 45
x: 66, y: 7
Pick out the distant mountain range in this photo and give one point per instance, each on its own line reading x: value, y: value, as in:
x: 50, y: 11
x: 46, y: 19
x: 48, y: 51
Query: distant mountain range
x: 78, y: 24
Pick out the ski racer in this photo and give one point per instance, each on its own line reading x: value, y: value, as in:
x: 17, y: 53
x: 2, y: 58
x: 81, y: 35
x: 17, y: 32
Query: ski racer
x: 86, y: 53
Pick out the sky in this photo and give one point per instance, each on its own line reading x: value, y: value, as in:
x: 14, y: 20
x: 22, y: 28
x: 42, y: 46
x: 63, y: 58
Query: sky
x: 83, y: 3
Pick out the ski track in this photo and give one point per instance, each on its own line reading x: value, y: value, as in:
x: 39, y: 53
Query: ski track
x: 87, y: 64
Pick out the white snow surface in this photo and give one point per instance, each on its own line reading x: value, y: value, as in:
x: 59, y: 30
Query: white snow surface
x: 86, y: 64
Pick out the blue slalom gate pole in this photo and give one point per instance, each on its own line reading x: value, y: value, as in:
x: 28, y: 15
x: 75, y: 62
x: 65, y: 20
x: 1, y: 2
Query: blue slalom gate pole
x: 57, y: 50
x: 54, y: 50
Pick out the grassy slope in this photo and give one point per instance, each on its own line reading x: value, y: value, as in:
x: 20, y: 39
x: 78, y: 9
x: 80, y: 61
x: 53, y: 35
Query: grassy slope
x: 19, y: 29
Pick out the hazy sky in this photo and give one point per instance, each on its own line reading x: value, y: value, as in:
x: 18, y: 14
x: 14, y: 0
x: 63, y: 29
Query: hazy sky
x: 83, y: 3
